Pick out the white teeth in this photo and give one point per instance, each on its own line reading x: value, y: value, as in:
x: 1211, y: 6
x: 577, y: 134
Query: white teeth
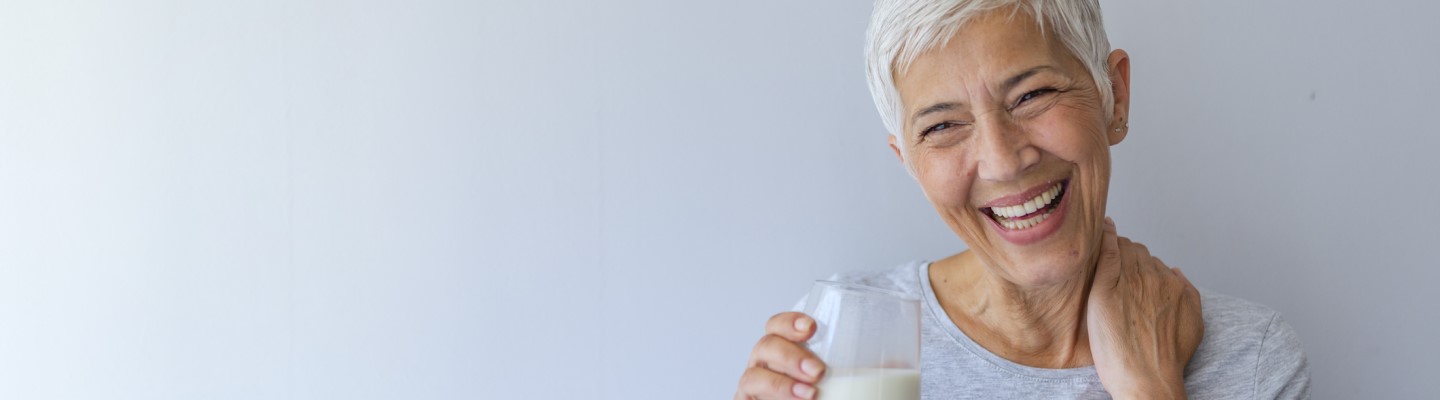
x: 1025, y: 223
x: 1014, y: 211
x: 1029, y: 207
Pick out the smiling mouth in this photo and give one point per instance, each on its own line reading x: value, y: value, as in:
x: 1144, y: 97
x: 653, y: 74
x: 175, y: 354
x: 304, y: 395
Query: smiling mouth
x: 1030, y: 213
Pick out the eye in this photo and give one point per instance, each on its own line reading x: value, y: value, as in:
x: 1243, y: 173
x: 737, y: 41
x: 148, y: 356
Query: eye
x: 937, y: 128
x: 1033, y: 94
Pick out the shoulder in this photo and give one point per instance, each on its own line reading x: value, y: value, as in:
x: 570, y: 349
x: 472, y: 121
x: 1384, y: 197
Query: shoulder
x: 904, y: 278
x: 1252, y: 342
x: 1230, y: 320
x: 1232, y: 317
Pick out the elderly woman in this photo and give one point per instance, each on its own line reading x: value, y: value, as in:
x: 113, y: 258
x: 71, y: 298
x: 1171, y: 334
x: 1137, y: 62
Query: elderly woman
x: 1004, y: 112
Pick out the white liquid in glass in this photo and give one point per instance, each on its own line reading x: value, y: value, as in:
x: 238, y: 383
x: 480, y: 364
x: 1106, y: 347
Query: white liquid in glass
x: 870, y: 384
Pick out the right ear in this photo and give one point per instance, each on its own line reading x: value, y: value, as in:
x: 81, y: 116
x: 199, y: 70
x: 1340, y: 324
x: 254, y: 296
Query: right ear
x: 895, y: 147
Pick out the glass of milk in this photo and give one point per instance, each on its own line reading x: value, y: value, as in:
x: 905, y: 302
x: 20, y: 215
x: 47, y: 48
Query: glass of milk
x: 869, y: 339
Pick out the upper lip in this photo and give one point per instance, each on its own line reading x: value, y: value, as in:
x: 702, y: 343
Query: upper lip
x: 1022, y: 197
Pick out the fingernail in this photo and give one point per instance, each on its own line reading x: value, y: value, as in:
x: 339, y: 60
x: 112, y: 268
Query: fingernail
x: 802, y: 324
x: 802, y: 390
x: 811, y: 367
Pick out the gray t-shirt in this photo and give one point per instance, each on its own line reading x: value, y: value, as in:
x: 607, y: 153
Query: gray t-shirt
x: 1248, y: 352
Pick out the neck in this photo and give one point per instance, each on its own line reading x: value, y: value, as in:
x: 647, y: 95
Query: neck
x: 1036, y: 326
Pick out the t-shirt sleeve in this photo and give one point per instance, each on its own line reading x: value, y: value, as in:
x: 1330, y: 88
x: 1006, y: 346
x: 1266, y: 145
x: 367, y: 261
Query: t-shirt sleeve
x: 1281, y: 371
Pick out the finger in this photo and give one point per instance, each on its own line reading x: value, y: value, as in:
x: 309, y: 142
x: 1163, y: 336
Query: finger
x: 1160, y: 265
x: 762, y: 383
x: 1140, y: 251
x: 781, y: 355
x: 1127, y: 254
x: 1107, y: 269
x: 1189, y: 287
x: 792, y: 326
x: 1145, y: 259
x: 1130, y: 262
x: 1193, y: 299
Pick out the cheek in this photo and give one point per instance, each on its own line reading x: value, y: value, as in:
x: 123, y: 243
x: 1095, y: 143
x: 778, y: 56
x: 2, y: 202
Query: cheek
x: 1067, y: 139
x: 946, y: 178
x: 1076, y: 137
x: 1081, y: 141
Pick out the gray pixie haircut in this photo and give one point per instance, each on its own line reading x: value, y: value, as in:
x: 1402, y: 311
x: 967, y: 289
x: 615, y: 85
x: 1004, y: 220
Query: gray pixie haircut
x: 901, y: 30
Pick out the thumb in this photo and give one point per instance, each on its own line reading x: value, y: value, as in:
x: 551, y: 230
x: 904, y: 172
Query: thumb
x: 1107, y: 268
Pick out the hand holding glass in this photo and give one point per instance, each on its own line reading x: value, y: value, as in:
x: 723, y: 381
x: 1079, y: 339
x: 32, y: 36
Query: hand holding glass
x: 869, y: 339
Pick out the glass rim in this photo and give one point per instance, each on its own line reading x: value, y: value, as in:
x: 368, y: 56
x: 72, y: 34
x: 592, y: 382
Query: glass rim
x: 866, y: 289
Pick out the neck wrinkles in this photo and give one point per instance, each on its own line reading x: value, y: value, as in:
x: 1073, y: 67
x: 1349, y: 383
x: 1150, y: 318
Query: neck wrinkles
x: 1038, y: 327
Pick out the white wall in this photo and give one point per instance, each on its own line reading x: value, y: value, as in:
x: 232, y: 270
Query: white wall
x: 428, y: 199
x: 1285, y: 150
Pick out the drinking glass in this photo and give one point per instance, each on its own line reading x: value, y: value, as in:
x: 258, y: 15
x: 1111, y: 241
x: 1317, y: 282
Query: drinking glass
x: 869, y: 339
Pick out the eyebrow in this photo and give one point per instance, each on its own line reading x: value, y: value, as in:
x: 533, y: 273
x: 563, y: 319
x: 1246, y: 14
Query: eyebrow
x: 1021, y: 77
x: 1005, y: 87
x: 934, y: 108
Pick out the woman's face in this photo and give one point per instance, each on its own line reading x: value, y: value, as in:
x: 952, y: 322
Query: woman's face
x: 1007, y: 136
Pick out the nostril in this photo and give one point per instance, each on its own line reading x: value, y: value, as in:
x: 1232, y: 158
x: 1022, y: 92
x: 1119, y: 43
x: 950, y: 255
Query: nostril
x: 995, y: 165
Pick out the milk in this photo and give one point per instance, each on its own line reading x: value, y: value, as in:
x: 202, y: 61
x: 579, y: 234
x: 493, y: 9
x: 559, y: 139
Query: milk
x: 870, y: 384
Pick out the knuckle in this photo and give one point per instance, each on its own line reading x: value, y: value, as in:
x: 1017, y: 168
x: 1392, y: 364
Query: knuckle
x: 777, y: 321
x: 773, y: 348
x: 763, y: 345
x: 763, y: 382
x: 761, y: 353
x: 755, y: 381
x: 772, y: 340
x: 747, y: 380
x: 778, y: 383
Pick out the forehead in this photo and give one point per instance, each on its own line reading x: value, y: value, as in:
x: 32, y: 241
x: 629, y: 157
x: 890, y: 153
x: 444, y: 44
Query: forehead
x: 986, y: 50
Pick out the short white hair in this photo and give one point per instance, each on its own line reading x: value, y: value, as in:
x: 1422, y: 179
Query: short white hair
x: 901, y: 30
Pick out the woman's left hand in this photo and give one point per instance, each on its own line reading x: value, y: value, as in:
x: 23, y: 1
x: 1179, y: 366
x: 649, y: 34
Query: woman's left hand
x: 1143, y: 319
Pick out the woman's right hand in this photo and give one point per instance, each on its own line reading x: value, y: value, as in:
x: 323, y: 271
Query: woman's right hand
x: 780, y: 366
x: 1144, y: 321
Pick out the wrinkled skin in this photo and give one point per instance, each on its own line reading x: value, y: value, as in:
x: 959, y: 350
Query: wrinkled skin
x: 1013, y: 110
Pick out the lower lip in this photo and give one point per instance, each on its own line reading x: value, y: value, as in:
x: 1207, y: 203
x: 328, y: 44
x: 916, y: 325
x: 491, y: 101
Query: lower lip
x: 1038, y: 232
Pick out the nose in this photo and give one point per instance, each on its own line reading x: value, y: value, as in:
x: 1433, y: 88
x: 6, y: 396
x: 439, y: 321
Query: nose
x: 1004, y: 151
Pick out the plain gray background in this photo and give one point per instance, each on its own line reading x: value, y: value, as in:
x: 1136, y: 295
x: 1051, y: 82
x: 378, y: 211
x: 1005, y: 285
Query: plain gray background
x: 306, y: 199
